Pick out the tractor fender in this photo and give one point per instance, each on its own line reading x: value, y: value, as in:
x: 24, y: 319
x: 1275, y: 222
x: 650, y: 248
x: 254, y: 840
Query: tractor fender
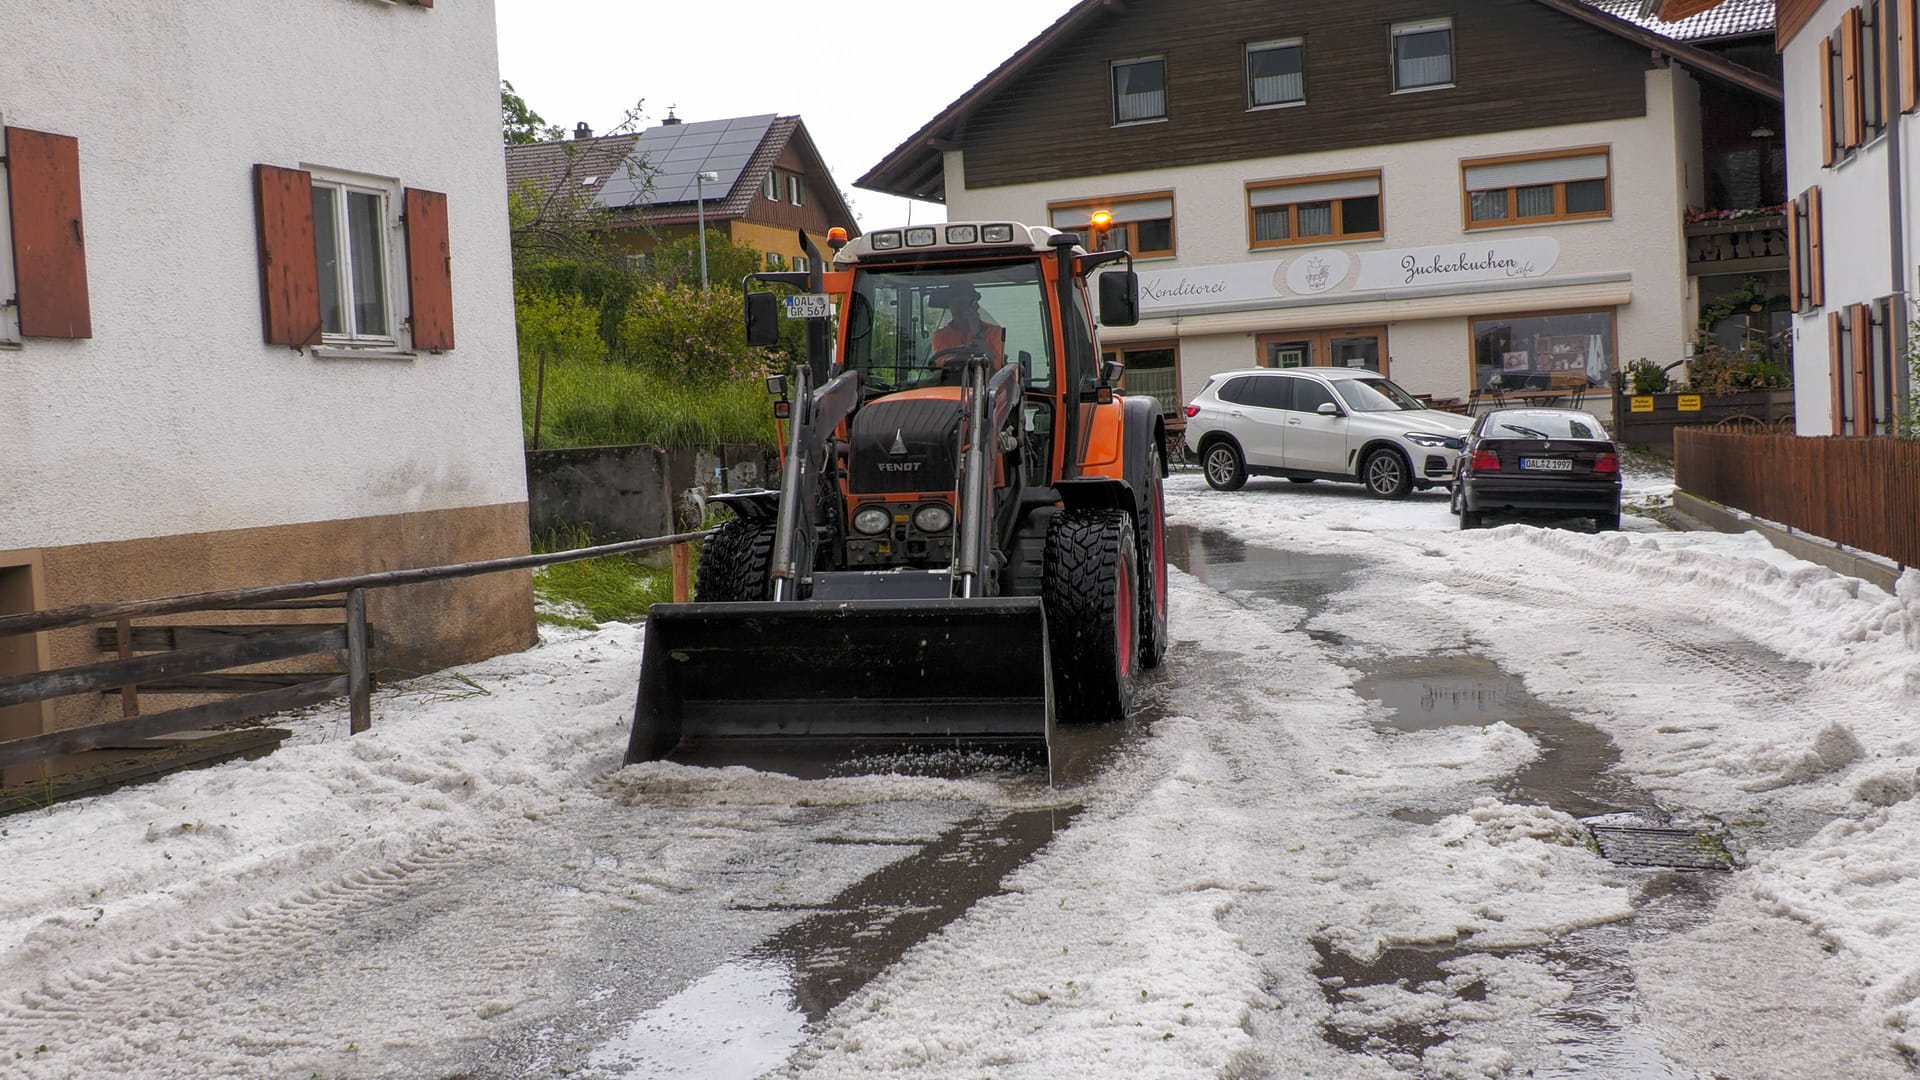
x: 1125, y: 435
x: 755, y: 504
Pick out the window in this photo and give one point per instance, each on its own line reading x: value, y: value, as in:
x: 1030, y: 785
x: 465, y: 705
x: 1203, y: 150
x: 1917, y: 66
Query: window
x: 774, y: 260
x: 1566, y: 185
x: 1422, y: 55
x: 1348, y: 346
x: 1313, y: 209
x: 1903, y: 23
x: 352, y: 261
x: 1852, y: 108
x: 1806, y: 262
x: 799, y: 262
x: 796, y: 191
x: 1276, y: 73
x: 1152, y: 371
x: 1556, y: 351
x: 1139, y: 90
x: 771, y: 186
x: 1873, y: 111
x: 1142, y: 224
x: 350, y: 244
x: 43, y: 260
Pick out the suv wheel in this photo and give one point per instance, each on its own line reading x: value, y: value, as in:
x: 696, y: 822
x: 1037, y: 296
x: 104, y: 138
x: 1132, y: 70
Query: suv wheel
x: 1226, y: 470
x: 1386, y: 475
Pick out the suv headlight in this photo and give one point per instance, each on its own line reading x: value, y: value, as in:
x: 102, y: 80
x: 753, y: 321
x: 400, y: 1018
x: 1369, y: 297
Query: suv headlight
x: 1424, y: 438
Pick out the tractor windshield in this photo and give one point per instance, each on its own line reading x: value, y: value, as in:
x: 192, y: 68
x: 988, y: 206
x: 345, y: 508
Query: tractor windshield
x: 904, y: 324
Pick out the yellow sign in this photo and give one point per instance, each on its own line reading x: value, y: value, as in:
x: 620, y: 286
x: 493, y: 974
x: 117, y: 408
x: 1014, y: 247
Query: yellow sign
x: 1688, y: 403
x: 1643, y: 403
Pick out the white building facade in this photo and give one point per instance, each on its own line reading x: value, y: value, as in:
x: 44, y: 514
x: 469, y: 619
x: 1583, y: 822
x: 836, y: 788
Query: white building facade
x: 256, y: 319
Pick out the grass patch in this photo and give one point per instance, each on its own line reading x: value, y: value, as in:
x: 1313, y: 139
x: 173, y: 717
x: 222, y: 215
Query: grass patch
x: 587, y: 592
x: 594, y: 403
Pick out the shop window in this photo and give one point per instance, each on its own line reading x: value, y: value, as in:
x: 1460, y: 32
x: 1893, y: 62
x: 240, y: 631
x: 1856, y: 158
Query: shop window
x: 1152, y: 371
x: 1548, y: 352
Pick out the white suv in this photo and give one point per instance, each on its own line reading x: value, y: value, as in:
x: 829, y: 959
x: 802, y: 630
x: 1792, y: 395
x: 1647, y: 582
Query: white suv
x: 1321, y: 423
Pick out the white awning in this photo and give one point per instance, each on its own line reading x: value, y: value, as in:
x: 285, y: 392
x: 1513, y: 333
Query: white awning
x: 1539, y: 171
x: 1314, y: 191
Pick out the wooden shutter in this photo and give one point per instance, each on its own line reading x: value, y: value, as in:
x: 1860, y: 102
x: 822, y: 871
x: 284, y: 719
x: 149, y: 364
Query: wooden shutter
x: 1853, y: 123
x: 1827, y: 104
x: 1836, y: 371
x: 49, y: 238
x: 429, y: 270
x: 289, y: 263
x: 1861, y: 358
x: 1794, y: 257
x: 1904, y: 12
x: 1816, y: 268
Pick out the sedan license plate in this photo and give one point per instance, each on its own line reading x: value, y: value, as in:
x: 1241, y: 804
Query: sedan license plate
x: 1547, y: 464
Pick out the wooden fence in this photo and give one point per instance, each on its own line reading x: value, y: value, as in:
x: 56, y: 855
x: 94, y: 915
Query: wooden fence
x: 1862, y: 493
x: 186, y: 658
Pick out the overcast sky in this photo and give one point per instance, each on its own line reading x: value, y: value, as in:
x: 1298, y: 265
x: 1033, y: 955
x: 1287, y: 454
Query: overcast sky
x: 862, y: 74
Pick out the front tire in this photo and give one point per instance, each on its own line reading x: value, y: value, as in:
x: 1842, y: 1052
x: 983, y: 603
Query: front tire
x: 736, y: 563
x: 1387, y: 475
x: 1090, y: 593
x: 1151, y: 531
x: 1226, y: 470
x: 1472, y: 519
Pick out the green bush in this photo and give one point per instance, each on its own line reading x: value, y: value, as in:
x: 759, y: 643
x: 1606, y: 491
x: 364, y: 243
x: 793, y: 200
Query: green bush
x: 691, y: 336
x: 596, y: 403
x: 1646, y: 377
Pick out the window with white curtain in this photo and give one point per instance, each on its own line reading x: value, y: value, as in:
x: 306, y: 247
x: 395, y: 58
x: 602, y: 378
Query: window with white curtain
x: 1342, y: 206
x: 1563, y: 185
x: 1423, y: 55
x: 1142, y: 223
x: 1139, y: 90
x: 1276, y: 73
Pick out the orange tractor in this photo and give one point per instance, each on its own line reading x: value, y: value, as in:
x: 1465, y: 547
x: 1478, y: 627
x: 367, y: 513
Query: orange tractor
x: 969, y: 537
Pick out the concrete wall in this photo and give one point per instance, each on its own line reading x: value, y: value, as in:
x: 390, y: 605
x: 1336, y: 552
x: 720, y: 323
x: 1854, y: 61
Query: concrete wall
x: 633, y: 492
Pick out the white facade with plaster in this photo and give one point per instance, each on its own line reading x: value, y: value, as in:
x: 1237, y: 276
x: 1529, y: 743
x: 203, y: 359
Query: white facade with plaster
x: 174, y: 418
x: 1632, y: 263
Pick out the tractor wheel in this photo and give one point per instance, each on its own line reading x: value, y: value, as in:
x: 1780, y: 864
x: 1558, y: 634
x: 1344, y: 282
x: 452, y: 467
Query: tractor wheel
x: 736, y: 563
x: 1151, y: 531
x: 1091, y: 597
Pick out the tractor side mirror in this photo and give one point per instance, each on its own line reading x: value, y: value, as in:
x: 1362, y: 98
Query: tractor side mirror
x: 763, y: 319
x: 1110, y: 372
x: 1119, y: 298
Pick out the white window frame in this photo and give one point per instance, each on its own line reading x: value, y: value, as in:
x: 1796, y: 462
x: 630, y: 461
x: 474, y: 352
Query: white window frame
x: 395, y: 335
x: 9, y: 289
x: 1410, y: 29
x: 1113, y: 89
x: 1270, y: 46
x: 796, y: 190
x: 771, y: 186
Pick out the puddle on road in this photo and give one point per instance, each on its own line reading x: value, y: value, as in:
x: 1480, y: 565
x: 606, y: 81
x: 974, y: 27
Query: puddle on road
x: 1229, y: 564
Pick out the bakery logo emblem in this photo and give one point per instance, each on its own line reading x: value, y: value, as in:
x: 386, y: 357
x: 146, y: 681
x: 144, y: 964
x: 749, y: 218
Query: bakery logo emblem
x: 1317, y: 271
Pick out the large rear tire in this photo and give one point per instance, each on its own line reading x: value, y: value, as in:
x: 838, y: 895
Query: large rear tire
x: 736, y: 563
x: 1091, y: 595
x: 1151, y: 531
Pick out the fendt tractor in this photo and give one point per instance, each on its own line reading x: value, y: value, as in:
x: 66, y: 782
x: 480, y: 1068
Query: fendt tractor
x: 969, y: 537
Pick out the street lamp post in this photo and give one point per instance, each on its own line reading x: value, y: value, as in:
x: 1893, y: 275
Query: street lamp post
x: 700, y: 180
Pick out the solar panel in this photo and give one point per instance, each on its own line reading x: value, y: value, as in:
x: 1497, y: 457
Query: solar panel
x: 673, y: 155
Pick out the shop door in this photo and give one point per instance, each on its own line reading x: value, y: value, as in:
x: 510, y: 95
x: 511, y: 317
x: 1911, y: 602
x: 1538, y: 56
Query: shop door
x: 1347, y: 346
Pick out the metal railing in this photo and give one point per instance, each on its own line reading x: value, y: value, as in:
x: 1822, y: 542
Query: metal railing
x: 190, y: 667
x: 1856, y: 492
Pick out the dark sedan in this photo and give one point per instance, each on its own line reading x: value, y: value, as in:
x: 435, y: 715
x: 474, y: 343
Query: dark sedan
x: 1553, y: 463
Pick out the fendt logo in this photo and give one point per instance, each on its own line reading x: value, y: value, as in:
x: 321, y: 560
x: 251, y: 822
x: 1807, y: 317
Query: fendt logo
x: 899, y: 466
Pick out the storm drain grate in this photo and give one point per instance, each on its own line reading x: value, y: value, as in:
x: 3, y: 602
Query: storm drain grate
x: 1633, y: 841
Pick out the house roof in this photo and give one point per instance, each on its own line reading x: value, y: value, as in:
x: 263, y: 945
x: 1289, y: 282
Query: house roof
x: 914, y: 169
x: 652, y: 173
x: 1733, y: 18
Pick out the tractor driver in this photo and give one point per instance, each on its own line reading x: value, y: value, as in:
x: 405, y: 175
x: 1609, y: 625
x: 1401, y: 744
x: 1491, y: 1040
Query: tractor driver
x: 966, y: 326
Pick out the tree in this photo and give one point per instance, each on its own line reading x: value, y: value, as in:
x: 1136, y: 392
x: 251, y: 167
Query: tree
x: 520, y: 125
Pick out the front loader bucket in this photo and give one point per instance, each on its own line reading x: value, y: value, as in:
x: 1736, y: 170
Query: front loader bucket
x: 941, y: 672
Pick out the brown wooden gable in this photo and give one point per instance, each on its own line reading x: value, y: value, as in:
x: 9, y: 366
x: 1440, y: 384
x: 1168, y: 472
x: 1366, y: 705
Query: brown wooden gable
x: 429, y: 270
x: 1517, y: 65
x: 49, y: 235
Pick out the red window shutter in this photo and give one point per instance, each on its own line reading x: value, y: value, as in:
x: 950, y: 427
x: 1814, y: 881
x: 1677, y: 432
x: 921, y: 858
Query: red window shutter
x: 1904, y: 12
x: 1816, y: 268
x: 49, y: 239
x: 429, y: 270
x: 289, y: 264
x: 1793, y: 254
x: 1853, y: 121
x: 1837, y: 371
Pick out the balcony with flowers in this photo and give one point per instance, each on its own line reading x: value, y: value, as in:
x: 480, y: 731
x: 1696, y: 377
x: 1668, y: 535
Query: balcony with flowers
x: 1750, y: 240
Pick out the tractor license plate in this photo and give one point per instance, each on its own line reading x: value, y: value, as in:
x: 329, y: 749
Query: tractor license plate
x: 807, y: 306
x: 1547, y: 464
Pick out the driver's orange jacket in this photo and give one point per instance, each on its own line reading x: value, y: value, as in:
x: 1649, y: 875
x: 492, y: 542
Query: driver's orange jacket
x: 994, y: 343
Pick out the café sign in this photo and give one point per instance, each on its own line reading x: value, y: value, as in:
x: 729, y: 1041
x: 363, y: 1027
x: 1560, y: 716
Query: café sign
x: 1455, y: 264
